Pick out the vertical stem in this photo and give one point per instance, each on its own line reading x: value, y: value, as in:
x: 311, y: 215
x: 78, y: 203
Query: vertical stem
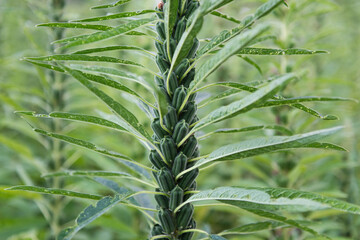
x: 177, y: 125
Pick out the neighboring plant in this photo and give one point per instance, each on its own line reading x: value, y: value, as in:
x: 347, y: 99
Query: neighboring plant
x: 174, y: 152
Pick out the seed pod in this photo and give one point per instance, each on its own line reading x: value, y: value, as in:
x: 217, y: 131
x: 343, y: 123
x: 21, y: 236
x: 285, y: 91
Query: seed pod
x: 157, y: 230
x: 166, y: 180
x: 196, y: 118
x: 190, y: 146
x: 170, y: 119
x: 182, y: 67
x: 180, y: 131
x: 196, y: 153
x: 160, y: 28
x: 168, y: 148
x: 179, y: 164
x: 191, y: 8
x: 194, y: 48
x: 188, y: 78
x: 189, y: 113
x: 159, y: 81
x: 166, y: 221
x: 172, y: 47
x: 162, y: 64
x: 188, y: 235
x: 162, y: 200
x: 173, y: 83
x: 184, y: 216
x: 179, y: 97
x: 158, y: 130
x: 159, y: 48
x: 176, y: 198
x: 180, y: 29
x: 156, y: 160
x: 187, y: 180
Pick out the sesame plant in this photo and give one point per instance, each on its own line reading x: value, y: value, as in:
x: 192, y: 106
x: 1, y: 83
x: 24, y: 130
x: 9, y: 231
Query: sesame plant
x: 173, y: 79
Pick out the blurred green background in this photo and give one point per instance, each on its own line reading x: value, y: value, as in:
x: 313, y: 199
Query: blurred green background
x: 331, y: 25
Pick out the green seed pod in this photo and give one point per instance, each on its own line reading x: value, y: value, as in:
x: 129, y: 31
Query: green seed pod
x: 166, y: 180
x: 176, y: 198
x: 190, y: 146
x: 196, y: 119
x: 184, y: 215
x: 159, y: 15
x: 173, y: 83
x: 168, y: 148
x: 189, y: 112
x: 172, y: 47
x: 162, y: 64
x: 180, y: 131
x: 187, y: 180
x: 166, y: 221
x: 157, y: 230
x: 160, y: 28
x: 162, y: 201
x: 196, y: 153
x: 180, y: 29
x: 194, y: 48
x: 159, y: 81
x: 156, y: 160
x: 188, y: 235
x: 171, y: 118
x: 159, y: 48
x: 191, y: 8
x: 188, y: 78
x: 182, y: 67
x: 179, y: 97
x: 179, y: 164
x: 158, y: 130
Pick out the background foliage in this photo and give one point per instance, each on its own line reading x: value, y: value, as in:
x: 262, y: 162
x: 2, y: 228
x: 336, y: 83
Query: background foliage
x: 329, y: 25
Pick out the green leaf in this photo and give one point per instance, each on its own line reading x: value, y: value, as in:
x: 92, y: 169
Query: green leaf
x: 226, y: 35
x: 272, y: 199
x: 120, y: 110
x: 254, y: 227
x: 262, y: 145
x: 248, y: 88
x: 115, y: 16
x: 231, y: 48
x: 279, y: 128
x: 84, y: 58
x: 112, y: 48
x: 114, y: 72
x: 245, y: 104
x: 216, y: 237
x: 75, y: 25
x: 99, y: 36
x: 270, y: 51
x: 252, y: 63
x: 90, y: 214
x: 117, y: 3
x: 87, y: 173
x: 226, y: 17
x: 54, y: 191
x: 170, y: 16
x: 290, y: 101
x: 207, y: 6
x: 326, y: 146
x: 16, y: 146
x: 78, y: 117
x: 74, y: 38
x: 273, y: 216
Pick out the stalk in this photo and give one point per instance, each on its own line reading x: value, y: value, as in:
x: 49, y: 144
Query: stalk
x: 172, y: 129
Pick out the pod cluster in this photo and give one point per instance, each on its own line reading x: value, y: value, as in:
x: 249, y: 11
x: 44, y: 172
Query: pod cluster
x: 173, y: 128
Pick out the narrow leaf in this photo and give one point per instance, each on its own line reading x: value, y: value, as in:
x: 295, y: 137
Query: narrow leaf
x: 115, y: 16
x: 54, y: 191
x: 114, y: 4
x: 269, y: 51
x: 226, y: 17
x: 99, y: 36
x: 90, y: 214
x: 75, y: 25
x: 112, y: 48
x: 254, y: 227
x: 170, y: 16
x: 272, y: 199
x: 119, y: 109
x: 262, y: 145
